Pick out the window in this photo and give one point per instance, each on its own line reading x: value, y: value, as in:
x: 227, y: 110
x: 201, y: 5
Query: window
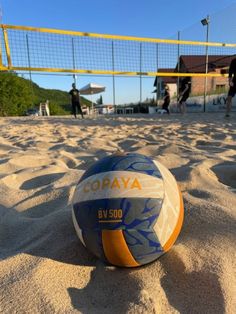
x: 221, y: 87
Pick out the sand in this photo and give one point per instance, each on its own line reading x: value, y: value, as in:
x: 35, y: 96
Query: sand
x: 43, y: 266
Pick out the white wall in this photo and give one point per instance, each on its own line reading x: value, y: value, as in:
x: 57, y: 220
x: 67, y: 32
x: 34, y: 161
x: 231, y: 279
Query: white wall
x: 172, y: 89
x: 213, y: 103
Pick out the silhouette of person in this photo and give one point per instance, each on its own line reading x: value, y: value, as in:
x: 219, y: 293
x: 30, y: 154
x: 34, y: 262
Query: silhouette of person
x: 166, y: 102
x: 75, y: 101
x: 232, y: 86
x: 184, y: 94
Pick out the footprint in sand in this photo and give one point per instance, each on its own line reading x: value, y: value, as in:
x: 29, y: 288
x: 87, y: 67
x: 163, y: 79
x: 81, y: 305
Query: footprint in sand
x: 25, y: 180
x: 3, y: 161
x: 199, y: 194
x: 27, y: 161
x: 111, y: 291
x: 191, y: 292
x: 226, y: 173
x: 69, y: 161
x: 129, y: 145
x: 40, y: 181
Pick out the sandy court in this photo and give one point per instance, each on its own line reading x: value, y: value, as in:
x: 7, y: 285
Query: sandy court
x: 43, y: 266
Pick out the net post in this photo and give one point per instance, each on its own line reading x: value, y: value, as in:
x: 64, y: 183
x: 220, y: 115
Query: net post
x: 6, y: 41
x: 1, y: 61
x: 140, y: 76
x: 113, y: 76
x: 28, y: 57
x: 178, y: 65
x: 73, y: 58
x: 29, y: 63
x: 206, y: 71
x: 157, y: 56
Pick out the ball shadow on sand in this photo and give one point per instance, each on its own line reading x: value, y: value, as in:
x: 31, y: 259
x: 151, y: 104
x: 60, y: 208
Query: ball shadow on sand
x: 52, y: 236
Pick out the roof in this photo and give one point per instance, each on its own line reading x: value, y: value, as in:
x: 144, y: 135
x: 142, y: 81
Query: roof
x: 197, y: 64
x: 91, y: 89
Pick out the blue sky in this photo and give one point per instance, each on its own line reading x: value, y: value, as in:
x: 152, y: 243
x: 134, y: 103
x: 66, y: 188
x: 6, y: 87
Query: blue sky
x: 150, y: 18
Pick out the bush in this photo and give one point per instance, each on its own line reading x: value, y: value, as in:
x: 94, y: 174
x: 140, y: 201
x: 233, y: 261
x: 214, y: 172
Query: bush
x: 18, y: 94
x: 15, y: 95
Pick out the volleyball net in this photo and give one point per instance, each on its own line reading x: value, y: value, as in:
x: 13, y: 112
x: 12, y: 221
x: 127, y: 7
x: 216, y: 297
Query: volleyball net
x: 50, y: 50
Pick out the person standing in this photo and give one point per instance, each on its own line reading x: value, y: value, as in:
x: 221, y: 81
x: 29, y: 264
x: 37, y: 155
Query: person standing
x: 185, y: 89
x: 166, y: 99
x: 232, y: 87
x: 75, y: 101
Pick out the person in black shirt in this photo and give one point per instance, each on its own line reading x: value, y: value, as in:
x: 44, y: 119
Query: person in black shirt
x: 232, y: 86
x: 166, y: 103
x: 185, y: 88
x: 75, y: 101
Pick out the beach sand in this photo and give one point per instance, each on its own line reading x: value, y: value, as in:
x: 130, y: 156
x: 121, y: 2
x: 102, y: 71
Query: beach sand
x: 43, y: 266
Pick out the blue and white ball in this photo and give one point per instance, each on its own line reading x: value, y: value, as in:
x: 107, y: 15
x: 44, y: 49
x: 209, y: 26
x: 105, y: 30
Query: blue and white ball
x: 128, y: 209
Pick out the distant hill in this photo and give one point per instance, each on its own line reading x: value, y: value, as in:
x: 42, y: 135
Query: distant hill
x: 17, y: 94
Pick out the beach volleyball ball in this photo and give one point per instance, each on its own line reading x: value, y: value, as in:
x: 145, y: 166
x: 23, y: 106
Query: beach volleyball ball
x: 127, y: 209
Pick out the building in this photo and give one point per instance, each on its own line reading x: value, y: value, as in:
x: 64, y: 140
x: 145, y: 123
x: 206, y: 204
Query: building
x: 105, y: 109
x: 197, y: 64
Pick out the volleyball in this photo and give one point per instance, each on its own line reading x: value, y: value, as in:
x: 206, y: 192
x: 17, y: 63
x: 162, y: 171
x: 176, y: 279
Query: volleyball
x: 127, y: 209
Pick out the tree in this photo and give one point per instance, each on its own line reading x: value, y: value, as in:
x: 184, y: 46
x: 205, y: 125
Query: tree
x: 99, y: 101
x: 15, y: 94
x: 18, y: 94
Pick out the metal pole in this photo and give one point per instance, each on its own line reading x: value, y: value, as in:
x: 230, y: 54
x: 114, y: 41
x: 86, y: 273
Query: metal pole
x: 157, y: 76
x: 73, y: 57
x: 178, y: 65
x: 205, y: 86
x: 6, y: 41
x: 140, y: 73
x: 113, y: 76
x: 1, y: 14
x: 28, y: 56
x: 1, y: 61
x: 92, y: 102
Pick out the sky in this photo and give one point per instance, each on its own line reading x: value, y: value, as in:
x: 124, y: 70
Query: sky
x: 150, y: 18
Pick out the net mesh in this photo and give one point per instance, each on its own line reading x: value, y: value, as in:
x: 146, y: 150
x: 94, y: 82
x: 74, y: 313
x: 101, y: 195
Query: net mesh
x: 48, y: 51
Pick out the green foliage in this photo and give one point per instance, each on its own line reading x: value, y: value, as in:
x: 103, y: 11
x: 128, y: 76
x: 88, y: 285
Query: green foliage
x: 99, y: 101
x: 56, y: 109
x: 15, y: 95
x: 18, y: 94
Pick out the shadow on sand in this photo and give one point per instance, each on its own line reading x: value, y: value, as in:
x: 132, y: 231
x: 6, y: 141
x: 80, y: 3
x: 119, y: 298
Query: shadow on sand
x: 109, y: 290
x: 191, y: 292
